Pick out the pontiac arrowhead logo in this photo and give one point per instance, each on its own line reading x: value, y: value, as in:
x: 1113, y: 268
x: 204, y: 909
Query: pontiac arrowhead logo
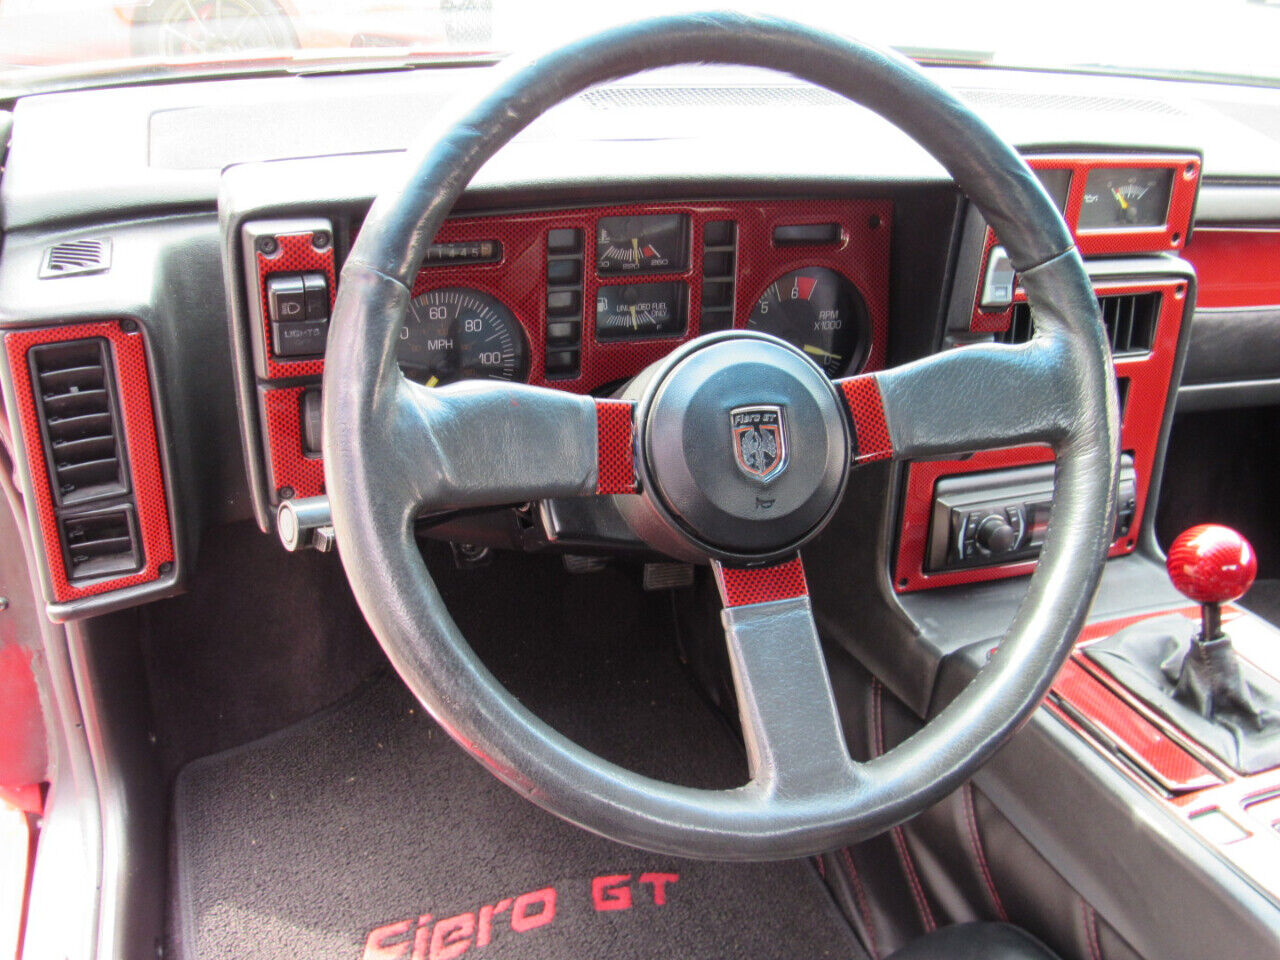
x: 759, y: 441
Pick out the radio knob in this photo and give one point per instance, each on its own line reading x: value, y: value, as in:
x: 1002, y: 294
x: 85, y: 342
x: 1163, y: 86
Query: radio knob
x: 996, y: 535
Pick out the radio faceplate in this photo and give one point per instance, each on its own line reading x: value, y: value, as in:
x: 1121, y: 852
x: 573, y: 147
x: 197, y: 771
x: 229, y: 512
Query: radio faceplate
x: 999, y: 517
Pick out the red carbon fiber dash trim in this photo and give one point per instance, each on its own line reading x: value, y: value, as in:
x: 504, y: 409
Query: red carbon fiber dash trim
x: 1148, y: 375
x: 1172, y: 235
x: 296, y: 254
x: 866, y: 408
x: 984, y: 321
x: 519, y: 280
x: 741, y: 586
x: 1138, y: 736
x: 133, y: 386
x: 289, y: 463
x: 1235, y: 268
x: 615, y: 471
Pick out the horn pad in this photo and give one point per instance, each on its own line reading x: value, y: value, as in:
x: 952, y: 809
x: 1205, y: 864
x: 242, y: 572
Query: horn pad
x: 743, y: 448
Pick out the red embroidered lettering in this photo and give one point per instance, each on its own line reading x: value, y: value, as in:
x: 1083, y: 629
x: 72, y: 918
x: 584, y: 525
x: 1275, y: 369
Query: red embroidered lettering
x: 659, y: 881
x: 451, y: 938
x: 377, y: 948
x: 612, y: 892
x: 422, y: 939
x: 522, y: 920
x: 487, y: 913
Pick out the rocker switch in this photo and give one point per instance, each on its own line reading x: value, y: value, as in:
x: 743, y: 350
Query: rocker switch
x: 997, y: 285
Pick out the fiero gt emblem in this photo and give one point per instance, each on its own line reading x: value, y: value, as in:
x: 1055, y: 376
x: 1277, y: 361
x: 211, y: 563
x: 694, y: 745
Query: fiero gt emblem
x: 759, y: 441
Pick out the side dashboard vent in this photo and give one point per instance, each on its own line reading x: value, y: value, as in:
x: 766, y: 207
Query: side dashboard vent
x: 1130, y: 321
x: 100, y: 543
x: 76, y: 257
x: 76, y: 402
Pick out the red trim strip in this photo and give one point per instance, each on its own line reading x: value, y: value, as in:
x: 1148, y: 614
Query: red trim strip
x: 1177, y: 768
x: 1235, y: 268
x: 742, y: 586
x: 288, y: 460
x: 866, y: 409
x: 615, y: 468
x: 133, y: 386
x: 296, y: 254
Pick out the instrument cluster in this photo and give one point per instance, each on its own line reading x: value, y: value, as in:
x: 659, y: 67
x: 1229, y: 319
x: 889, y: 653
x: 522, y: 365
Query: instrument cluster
x: 581, y: 299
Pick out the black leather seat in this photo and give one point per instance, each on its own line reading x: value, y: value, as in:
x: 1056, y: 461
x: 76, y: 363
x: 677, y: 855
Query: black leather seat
x: 976, y: 941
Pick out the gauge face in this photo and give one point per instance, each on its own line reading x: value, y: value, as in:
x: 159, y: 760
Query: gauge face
x: 820, y: 312
x: 638, y: 311
x: 461, y: 334
x: 642, y: 244
x: 1125, y: 197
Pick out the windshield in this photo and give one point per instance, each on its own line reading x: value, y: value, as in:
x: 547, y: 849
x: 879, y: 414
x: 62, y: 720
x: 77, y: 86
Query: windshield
x: 51, y: 42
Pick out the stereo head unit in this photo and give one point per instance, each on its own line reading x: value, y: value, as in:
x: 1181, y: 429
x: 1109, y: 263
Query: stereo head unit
x: 981, y: 519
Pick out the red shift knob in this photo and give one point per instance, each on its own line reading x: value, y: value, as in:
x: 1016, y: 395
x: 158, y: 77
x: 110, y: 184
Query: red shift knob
x: 1212, y: 564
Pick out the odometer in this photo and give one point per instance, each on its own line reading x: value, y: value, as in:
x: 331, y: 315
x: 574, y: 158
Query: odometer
x: 461, y: 334
x: 820, y: 312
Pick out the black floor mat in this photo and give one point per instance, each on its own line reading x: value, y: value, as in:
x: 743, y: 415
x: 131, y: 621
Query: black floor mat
x: 335, y: 837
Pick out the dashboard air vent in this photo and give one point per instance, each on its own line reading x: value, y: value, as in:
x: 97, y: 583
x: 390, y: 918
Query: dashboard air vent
x: 1130, y: 320
x: 76, y: 257
x: 102, y: 543
x: 75, y: 399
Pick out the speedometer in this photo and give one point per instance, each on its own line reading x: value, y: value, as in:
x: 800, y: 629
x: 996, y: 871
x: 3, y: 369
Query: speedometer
x: 819, y: 311
x: 461, y: 334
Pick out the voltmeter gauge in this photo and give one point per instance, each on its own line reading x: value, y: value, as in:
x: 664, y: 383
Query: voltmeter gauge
x: 458, y: 333
x: 646, y: 244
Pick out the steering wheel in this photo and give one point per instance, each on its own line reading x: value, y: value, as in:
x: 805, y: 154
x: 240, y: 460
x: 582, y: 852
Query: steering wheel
x: 668, y: 451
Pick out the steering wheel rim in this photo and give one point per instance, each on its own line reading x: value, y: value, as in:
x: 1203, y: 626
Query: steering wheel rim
x: 377, y: 478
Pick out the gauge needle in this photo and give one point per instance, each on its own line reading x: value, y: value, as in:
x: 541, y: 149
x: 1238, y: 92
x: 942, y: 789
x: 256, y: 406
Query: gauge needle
x: 813, y: 351
x: 1124, y: 204
x: 433, y: 381
x: 635, y: 248
x: 634, y: 325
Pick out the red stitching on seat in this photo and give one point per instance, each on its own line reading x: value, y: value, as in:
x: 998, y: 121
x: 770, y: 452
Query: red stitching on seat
x: 1091, y: 929
x: 975, y: 840
x: 860, y: 895
x: 899, y: 835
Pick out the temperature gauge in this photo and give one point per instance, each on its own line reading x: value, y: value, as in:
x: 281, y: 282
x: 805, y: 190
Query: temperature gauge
x: 649, y: 244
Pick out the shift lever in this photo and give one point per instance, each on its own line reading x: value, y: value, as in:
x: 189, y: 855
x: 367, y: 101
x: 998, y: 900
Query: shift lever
x: 1212, y: 565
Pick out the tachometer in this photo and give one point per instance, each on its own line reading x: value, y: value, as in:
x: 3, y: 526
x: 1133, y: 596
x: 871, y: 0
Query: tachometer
x: 820, y: 312
x: 461, y: 334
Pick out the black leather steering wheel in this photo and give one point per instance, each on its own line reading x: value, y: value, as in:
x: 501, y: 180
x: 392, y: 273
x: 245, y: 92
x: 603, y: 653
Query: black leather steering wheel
x: 394, y: 449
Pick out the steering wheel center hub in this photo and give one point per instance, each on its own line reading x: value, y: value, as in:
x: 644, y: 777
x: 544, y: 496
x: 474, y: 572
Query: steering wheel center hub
x: 744, y: 446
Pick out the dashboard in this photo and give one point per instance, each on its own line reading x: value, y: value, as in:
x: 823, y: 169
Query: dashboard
x: 575, y: 269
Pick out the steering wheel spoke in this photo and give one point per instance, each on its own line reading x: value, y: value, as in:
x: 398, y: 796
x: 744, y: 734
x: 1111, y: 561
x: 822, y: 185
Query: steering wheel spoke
x: 485, y: 443
x: 795, y: 745
x: 972, y: 398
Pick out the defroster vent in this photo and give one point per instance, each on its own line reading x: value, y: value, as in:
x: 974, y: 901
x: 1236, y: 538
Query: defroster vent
x: 76, y: 256
x: 1130, y: 321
